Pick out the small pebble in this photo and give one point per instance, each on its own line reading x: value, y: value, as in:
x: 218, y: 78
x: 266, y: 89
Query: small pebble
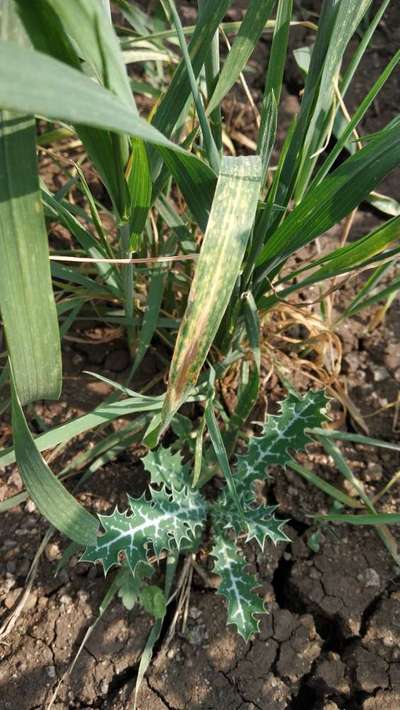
x: 380, y: 373
x: 30, y: 507
x: 66, y: 599
x: 83, y: 595
x: 52, y: 552
x: 369, y: 577
x: 374, y: 471
x: 104, y: 687
x: 12, y: 598
x: 9, y: 581
x: 31, y: 601
x: 194, y: 613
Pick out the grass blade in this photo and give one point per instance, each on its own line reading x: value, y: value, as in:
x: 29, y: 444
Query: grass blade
x: 39, y: 84
x: 359, y: 53
x: 140, y: 190
x: 243, y: 46
x: 323, y: 486
x: 218, y: 267
x: 26, y: 295
x: 103, y: 414
x: 178, y: 92
x: 221, y: 455
x: 367, y: 519
x: 333, y: 199
x: 208, y: 138
x: 55, y: 503
x: 89, y: 27
x: 349, y: 15
x: 212, y: 66
x: 277, y: 59
x: 357, y: 117
x: 341, y: 261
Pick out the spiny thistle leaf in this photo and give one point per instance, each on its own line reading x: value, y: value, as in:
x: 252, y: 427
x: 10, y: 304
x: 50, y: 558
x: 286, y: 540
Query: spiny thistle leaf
x: 260, y: 521
x: 261, y: 524
x: 237, y: 588
x: 282, y: 433
x: 161, y: 523
x: 166, y: 467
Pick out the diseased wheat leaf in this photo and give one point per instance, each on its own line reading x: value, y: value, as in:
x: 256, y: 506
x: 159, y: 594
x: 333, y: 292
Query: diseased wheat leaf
x: 217, y: 269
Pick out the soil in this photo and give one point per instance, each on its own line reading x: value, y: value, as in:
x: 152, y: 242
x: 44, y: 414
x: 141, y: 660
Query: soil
x: 332, y: 637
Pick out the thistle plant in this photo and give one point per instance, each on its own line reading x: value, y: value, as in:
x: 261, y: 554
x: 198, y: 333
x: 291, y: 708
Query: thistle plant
x: 174, y: 516
x: 228, y: 225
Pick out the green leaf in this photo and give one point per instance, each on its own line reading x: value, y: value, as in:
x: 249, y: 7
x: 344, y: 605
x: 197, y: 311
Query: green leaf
x: 351, y: 68
x: 208, y: 139
x: 340, y: 261
x: 348, y: 17
x: 26, y: 296
x: 167, y: 468
x: 243, y: 46
x: 324, y: 486
x: 93, y: 34
x: 282, y: 434
x: 140, y: 190
x: 164, y: 522
x: 54, y: 502
x: 222, y: 458
x: 39, y: 84
x: 261, y: 524
x: 196, y: 181
x: 174, y: 100
x: 130, y: 585
x: 336, y: 196
x: 237, y: 587
x: 27, y: 304
x: 217, y: 269
x: 368, y: 519
x: 277, y: 58
x: 257, y: 522
x: 358, y: 115
x: 153, y: 600
x: 105, y: 412
x: 151, y: 314
x: 267, y: 133
x: 356, y: 438
x: 50, y: 29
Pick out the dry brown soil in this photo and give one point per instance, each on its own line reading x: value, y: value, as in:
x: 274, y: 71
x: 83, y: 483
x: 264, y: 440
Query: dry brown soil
x: 332, y: 638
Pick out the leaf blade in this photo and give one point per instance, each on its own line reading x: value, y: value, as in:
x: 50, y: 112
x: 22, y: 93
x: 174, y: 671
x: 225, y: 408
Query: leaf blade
x: 229, y: 225
x: 55, y: 503
x: 26, y: 295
